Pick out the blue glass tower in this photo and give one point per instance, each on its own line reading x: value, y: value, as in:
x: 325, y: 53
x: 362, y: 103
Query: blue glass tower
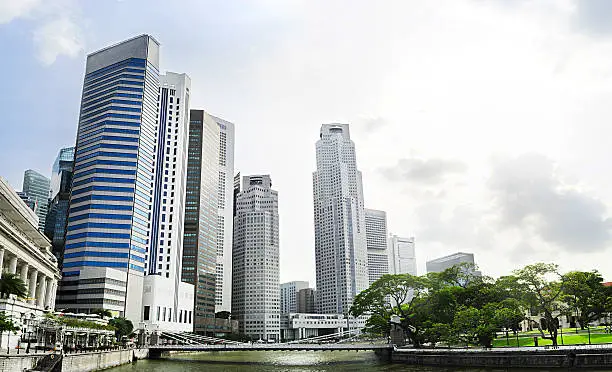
x: 111, y: 197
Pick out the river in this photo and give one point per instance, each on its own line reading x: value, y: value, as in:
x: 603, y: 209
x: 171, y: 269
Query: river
x: 279, y: 361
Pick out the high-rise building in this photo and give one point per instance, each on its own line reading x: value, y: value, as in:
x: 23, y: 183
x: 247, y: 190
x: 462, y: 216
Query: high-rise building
x: 306, y: 298
x: 237, y: 188
x: 376, y: 237
x: 36, y: 187
x: 225, y: 216
x: 440, y: 264
x: 109, y: 220
x: 167, y: 301
x: 201, y: 215
x: 57, y: 216
x: 256, y: 287
x: 339, y: 218
x: 402, y: 257
x: 288, y: 296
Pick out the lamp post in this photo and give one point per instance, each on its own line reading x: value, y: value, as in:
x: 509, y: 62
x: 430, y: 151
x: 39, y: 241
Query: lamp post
x: 589, y: 330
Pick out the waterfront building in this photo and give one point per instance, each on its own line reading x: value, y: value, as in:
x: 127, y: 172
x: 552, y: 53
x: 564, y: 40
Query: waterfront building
x: 109, y: 220
x: 167, y: 301
x: 376, y: 238
x: 297, y: 326
x: 306, y: 301
x: 402, y: 256
x: 288, y: 296
x: 24, y: 251
x: 256, y: 286
x: 440, y: 264
x: 37, y: 188
x: 339, y: 219
x: 57, y: 215
x: 201, y: 215
x: 225, y: 217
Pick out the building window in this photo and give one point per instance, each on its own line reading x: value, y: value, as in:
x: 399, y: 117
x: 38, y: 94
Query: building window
x: 147, y: 309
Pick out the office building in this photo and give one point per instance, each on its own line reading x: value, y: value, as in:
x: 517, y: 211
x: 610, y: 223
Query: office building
x: 306, y: 301
x: 339, y: 219
x: 225, y: 217
x: 37, y: 188
x: 108, y: 231
x: 24, y: 251
x: 402, y: 256
x: 297, y: 326
x: 57, y: 215
x: 256, y: 286
x: 288, y: 296
x: 168, y: 302
x: 440, y: 264
x: 201, y: 215
x: 376, y: 238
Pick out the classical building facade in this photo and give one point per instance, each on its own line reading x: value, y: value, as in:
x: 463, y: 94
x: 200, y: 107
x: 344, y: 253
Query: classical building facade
x: 25, y: 251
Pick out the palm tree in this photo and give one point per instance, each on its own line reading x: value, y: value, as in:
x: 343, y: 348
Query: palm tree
x: 104, y: 313
x: 12, y: 284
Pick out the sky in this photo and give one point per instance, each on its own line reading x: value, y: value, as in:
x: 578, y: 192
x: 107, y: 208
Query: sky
x: 480, y: 126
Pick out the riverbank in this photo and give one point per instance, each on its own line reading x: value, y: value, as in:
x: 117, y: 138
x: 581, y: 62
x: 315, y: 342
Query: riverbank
x: 563, y: 357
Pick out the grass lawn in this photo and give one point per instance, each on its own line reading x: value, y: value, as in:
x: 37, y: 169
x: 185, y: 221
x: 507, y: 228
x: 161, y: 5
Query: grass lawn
x: 568, y: 339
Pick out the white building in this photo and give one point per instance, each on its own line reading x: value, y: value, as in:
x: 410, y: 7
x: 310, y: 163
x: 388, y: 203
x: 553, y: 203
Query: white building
x: 339, y: 219
x: 223, y: 282
x: 376, y: 237
x: 288, y: 293
x: 256, y: 286
x: 296, y: 326
x: 167, y: 301
x: 402, y: 256
x: 25, y: 251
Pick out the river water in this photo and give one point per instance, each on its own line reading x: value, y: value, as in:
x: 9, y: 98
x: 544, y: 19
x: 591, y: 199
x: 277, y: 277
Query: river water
x: 279, y: 361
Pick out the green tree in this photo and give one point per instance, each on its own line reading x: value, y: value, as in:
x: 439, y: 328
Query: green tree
x: 585, y: 293
x: 123, y: 327
x: 11, y: 284
x: 543, y: 287
x: 104, y: 313
x: 6, y: 323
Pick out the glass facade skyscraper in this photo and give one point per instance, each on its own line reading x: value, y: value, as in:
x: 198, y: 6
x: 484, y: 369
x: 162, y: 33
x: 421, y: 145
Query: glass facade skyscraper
x: 36, y: 188
x: 112, y: 190
x: 61, y: 181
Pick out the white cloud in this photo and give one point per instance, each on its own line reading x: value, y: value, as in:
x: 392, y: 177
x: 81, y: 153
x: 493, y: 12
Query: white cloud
x: 59, y: 36
x: 14, y: 9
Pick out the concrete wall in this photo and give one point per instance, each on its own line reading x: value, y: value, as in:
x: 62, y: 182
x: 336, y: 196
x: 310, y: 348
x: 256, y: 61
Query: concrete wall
x: 100, y: 360
x: 18, y: 362
x: 559, y: 358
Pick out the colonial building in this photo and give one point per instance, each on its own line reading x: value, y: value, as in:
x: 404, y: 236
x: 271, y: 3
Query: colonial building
x: 25, y: 251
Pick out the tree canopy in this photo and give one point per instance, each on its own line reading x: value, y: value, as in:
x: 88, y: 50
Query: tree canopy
x: 11, y: 284
x: 459, y: 306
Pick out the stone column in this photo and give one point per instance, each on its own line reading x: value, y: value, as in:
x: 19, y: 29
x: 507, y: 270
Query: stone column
x: 13, y: 265
x: 23, y: 272
x: 32, y: 286
x: 42, y: 286
x: 49, y: 294
x: 1, y: 259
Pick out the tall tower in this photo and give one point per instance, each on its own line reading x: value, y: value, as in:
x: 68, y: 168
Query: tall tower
x: 225, y: 216
x: 339, y: 219
x: 167, y: 301
x: 256, y: 286
x: 108, y: 233
x: 376, y: 236
x: 201, y: 215
x: 36, y: 187
x: 402, y: 257
x: 61, y: 180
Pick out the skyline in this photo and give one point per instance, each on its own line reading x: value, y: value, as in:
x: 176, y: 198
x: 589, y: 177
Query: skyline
x: 524, y: 101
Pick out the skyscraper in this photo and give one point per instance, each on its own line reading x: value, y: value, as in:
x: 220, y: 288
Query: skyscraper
x: 288, y: 296
x: 167, y: 301
x: 201, y: 214
x: 255, y: 292
x: 440, y: 264
x: 376, y: 237
x: 402, y: 257
x: 57, y: 216
x: 109, y: 219
x: 36, y: 187
x: 339, y: 218
x: 225, y: 216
